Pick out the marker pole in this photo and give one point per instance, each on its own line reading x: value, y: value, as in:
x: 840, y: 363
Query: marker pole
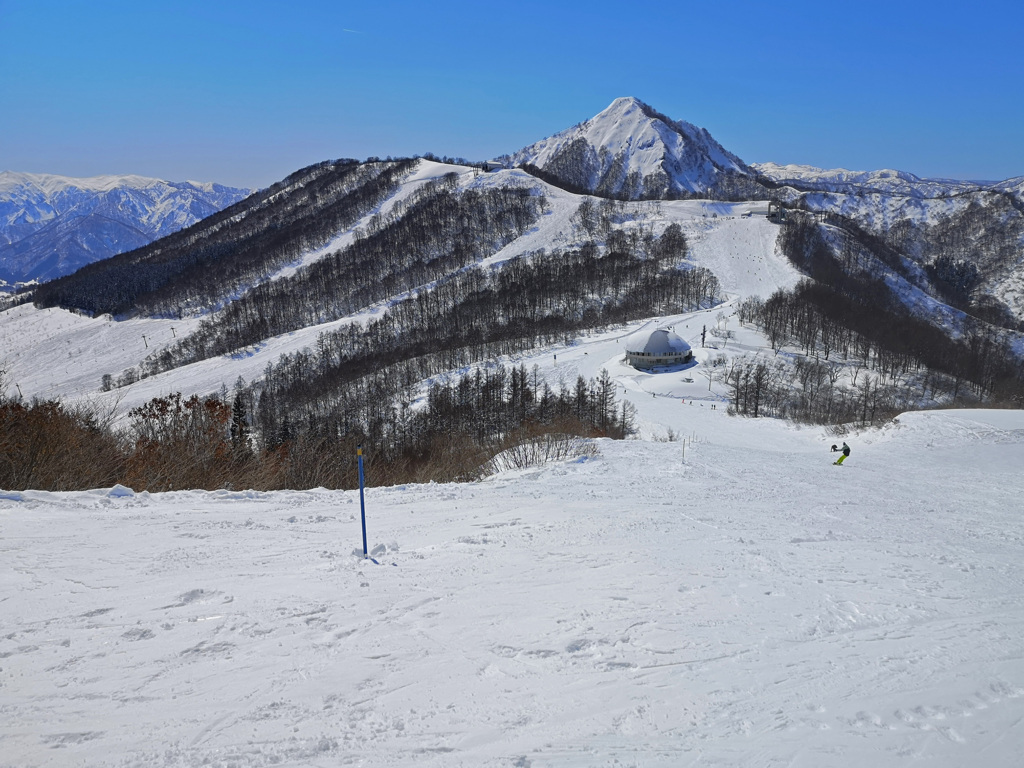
x: 362, y: 503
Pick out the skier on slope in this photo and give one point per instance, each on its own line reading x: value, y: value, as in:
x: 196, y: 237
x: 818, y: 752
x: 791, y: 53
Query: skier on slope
x: 846, y: 452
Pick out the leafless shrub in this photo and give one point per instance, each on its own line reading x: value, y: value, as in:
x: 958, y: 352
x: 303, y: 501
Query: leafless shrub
x: 179, y: 444
x: 537, y: 450
x: 48, y: 446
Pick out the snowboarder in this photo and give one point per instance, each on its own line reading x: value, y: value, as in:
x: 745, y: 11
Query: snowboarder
x: 846, y: 452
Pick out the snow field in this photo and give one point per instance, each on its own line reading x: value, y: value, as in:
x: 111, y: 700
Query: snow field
x: 54, y: 353
x: 744, y: 603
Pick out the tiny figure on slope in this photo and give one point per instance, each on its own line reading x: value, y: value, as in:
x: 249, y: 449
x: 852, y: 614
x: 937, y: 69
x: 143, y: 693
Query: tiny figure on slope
x: 846, y: 452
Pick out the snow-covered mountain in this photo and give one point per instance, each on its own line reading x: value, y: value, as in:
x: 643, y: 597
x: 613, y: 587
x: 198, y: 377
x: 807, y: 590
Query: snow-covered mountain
x: 53, y: 225
x: 977, y: 223
x: 729, y: 598
x: 318, y: 214
x: 886, y: 181
x: 725, y: 238
x: 631, y: 151
x: 1014, y: 186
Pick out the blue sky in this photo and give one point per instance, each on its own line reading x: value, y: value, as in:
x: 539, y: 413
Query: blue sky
x: 245, y: 93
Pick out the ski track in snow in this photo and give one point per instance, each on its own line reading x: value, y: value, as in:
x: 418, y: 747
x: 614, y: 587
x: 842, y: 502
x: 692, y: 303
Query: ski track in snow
x: 736, y: 602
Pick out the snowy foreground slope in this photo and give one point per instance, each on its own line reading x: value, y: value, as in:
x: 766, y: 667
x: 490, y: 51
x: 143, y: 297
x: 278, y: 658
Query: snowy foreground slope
x: 741, y: 602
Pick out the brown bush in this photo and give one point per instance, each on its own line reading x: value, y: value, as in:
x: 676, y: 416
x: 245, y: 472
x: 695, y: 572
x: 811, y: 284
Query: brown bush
x: 47, y: 446
x: 176, y: 444
x: 179, y: 444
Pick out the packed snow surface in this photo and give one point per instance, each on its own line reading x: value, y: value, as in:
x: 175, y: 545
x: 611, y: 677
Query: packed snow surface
x: 734, y: 600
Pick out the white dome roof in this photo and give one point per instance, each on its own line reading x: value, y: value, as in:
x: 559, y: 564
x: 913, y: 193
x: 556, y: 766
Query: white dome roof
x: 661, y: 342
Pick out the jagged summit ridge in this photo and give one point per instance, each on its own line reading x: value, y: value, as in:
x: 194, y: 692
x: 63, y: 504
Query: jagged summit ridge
x: 48, y: 184
x: 632, y: 151
x: 51, y: 225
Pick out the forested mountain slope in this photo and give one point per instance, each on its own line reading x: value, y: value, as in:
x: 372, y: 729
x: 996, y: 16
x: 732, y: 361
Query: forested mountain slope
x: 201, y: 266
x: 967, y: 237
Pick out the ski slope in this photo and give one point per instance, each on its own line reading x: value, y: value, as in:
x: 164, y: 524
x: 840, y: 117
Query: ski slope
x: 734, y: 600
x: 54, y: 353
x: 725, y: 599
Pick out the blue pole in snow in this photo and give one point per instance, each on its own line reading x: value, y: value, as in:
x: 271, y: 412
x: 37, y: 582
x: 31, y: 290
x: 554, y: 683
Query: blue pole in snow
x: 362, y: 504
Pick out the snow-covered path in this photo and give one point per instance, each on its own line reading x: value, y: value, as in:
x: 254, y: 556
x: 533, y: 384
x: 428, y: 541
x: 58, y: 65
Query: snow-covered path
x: 745, y: 604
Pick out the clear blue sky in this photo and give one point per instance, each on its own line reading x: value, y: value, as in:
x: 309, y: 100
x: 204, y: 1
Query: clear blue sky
x: 245, y: 92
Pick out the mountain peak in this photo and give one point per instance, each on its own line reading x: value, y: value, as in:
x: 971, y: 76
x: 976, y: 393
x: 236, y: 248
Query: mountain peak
x: 625, y: 103
x: 632, y: 151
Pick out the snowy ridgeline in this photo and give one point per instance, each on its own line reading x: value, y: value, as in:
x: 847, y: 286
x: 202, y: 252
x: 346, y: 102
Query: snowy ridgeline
x: 740, y: 602
x: 53, y: 225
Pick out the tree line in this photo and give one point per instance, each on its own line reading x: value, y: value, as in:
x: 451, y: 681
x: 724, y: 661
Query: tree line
x: 434, y: 333
x: 434, y: 233
x: 173, y: 443
x: 360, y: 383
x: 362, y: 380
x: 480, y: 313
x: 963, y: 249
x: 298, y: 424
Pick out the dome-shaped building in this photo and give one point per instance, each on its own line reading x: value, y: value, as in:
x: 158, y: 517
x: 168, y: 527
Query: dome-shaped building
x: 656, y: 349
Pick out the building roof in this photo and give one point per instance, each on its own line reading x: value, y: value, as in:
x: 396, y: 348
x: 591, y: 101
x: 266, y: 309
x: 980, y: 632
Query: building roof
x: 660, y: 342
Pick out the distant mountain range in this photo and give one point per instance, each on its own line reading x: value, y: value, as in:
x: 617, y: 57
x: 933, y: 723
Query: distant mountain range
x: 52, y: 225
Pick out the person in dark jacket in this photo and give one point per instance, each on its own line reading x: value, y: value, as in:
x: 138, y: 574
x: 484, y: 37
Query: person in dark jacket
x: 846, y: 452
